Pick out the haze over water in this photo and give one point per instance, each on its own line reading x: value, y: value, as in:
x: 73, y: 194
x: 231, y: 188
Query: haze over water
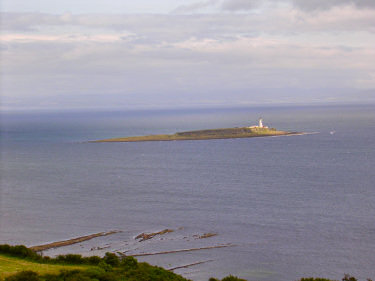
x: 293, y: 207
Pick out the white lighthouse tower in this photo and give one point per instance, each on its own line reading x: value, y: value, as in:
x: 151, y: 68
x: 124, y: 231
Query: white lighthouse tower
x: 260, y: 123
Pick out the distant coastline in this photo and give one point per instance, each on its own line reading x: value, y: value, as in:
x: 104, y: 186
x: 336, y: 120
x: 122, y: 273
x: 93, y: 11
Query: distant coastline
x: 223, y: 133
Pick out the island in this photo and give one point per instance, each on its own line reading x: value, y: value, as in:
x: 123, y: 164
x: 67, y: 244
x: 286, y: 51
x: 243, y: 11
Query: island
x: 223, y: 133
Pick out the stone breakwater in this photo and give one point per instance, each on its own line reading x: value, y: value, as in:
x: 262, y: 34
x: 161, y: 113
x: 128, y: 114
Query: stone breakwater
x: 72, y: 241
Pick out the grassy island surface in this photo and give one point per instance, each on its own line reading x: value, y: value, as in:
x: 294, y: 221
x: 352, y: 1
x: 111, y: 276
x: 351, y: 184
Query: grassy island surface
x: 226, y: 133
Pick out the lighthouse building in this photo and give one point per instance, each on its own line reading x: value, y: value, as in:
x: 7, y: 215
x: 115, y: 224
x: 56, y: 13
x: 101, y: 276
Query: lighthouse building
x: 260, y: 124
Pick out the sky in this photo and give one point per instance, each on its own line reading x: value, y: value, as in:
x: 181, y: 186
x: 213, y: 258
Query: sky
x: 183, y: 54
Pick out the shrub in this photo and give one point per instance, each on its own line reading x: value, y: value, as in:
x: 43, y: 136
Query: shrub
x: 78, y: 277
x: 105, y: 266
x: 65, y: 274
x: 19, y: 251
x: 73, y: 275
x: 93, y: 260
x: 73, y: 259
x: 128, y: 263
x: 146, y: 272
x: 60, y: 259
x: 52, y: 277
x: 46, y: 259
x: 232, y: 278
x: 5, y: 248
x: 95, y: 272
x: 110, y: 276
x: 23, y: 276
x: 111, y: 259
x: 315, y: 279
x: 347, y: 277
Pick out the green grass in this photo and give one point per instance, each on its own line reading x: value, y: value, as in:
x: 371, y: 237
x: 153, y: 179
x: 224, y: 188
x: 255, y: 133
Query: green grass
x: 20, y: 269
x: 130, y: 270
x: 11, y: 265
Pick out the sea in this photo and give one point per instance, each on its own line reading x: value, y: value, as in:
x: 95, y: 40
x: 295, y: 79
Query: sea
x: 283, y: 207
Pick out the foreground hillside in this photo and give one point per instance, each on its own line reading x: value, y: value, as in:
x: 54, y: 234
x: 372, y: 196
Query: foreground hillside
x: 11, y: 265
x: 18, y: 263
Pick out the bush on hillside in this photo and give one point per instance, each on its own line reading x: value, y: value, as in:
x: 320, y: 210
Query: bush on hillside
x: 23, y: 276
x: 346, y: 277
x: 128, y: 263
x: 70, y: 259
x: 94, y: 260
x: 232, y: 278
x: 111, y: 259
x: 19, y: 251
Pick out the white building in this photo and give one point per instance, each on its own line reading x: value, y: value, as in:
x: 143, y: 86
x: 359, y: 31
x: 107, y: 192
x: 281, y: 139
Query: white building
x: 260, y: 124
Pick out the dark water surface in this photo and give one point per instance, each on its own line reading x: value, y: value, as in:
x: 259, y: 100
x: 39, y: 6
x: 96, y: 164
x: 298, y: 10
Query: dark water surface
x: 292, y: 206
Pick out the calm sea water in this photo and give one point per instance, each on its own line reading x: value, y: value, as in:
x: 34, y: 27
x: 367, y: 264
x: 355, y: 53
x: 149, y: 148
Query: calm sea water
x: 290, y: 206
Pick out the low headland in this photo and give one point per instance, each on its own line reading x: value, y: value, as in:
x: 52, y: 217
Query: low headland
x: 224, y: 133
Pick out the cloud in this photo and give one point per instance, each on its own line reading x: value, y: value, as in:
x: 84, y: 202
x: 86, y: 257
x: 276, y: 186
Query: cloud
x: 179, y: 27
x: 184, y: 58
x: 239, y: 5
x: 309, y: 6
x: 314, y: 5
x: 23, y: 38
x: 194, y: 7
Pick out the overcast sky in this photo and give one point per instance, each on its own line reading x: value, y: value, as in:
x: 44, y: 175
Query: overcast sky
x: 178, y: 53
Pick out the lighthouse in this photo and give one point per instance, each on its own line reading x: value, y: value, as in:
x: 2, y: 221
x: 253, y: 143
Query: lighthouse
x: 259, y: 126
x: 260, y: 123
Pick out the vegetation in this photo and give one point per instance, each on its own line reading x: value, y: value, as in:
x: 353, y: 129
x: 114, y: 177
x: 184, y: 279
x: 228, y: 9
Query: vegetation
x: 12, y: 265
x: 141, y: 272
x: 19, y: 263
x: 228, y: 133
x: 228, y: 278
x: 23, y: 252
x: 346, y: 277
